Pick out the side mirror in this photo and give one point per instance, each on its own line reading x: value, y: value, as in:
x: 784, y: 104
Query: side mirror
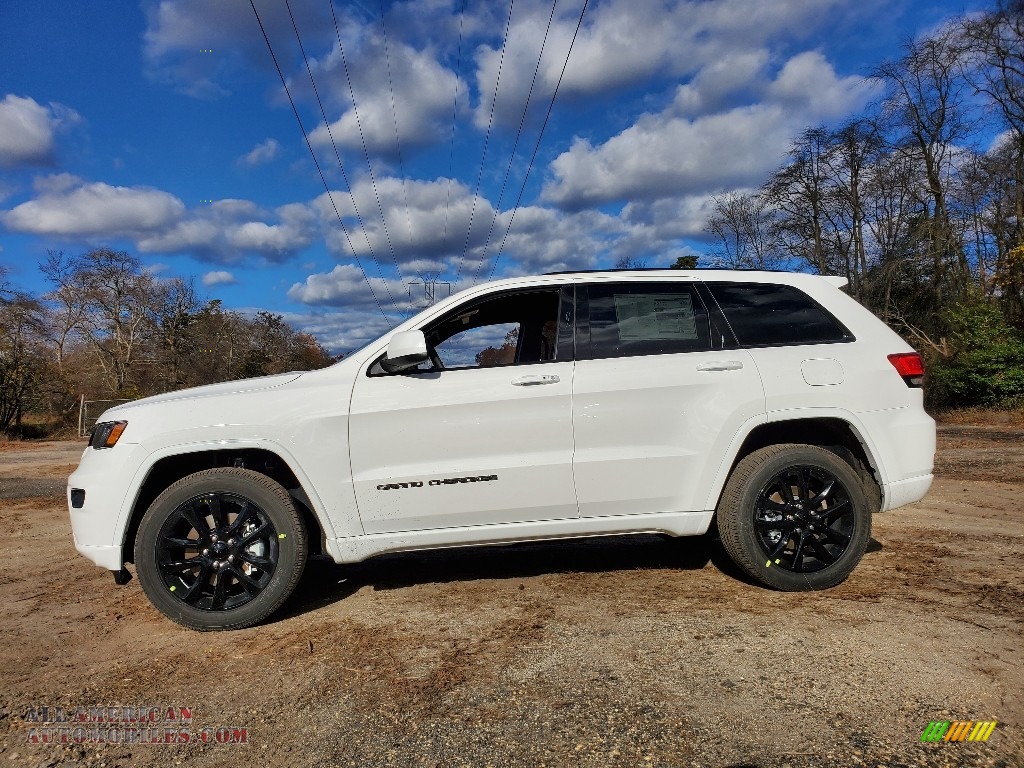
x: 405, y: 350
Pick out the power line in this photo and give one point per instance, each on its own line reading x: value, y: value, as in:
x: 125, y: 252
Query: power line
x: 337, y: 154
x: 455, y: 110
x: 487, y: 139
x: 362, y: 139
x: 323, y: 179
x: 394, y: 115
x: 515, y: 145
x: 540, y: 136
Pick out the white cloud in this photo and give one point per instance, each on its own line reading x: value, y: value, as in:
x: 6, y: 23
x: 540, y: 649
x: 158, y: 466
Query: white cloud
x: 341, y: 329
x: 724, y: 83
x: 540, y: 240
x: 1000, y: 141
x: 546, y: 240
x: 345, y: 286
x: 27, y: 130
x: 426, y: 219
x: 56, y: 183
x: 218, y: 277
x: 403, y: 91
x: 229, y: 230
x: 663, y: 221
x: 670, y: 153
x: 225, y: 231
x: 809, y: 84
x: 262, y: 153
x: 195, y: 235
x: 623, y: 43
x: 74, y: 209
x: 271, y: 239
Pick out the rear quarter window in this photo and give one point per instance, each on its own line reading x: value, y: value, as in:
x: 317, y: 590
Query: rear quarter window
x: 766, y: 315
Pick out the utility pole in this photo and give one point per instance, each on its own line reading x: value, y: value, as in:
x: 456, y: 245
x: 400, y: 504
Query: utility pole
x: 433, y: 291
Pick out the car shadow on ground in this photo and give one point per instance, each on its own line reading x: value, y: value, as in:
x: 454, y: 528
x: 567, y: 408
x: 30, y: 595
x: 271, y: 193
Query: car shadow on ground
x: 325, y: 582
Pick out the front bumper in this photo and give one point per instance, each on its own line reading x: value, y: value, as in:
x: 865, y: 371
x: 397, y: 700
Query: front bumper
x: 99, y: 523
x: 108, y: 557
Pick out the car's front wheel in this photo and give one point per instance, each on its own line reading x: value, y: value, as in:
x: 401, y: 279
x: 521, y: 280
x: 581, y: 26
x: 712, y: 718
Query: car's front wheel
x: 795, y: 517
x: 220, y: 549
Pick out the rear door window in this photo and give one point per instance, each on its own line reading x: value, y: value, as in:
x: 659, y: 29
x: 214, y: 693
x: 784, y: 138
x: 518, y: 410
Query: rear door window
x: 633, y: 319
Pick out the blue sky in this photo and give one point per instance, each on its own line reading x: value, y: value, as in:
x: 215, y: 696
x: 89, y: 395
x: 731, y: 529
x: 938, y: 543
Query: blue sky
x: 162, y: 128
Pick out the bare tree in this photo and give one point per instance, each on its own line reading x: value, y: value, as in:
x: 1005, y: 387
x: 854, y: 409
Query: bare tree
x: 798, y: 193
x: 66, y: 303
x: 22, y: 362
x: 630, y: 262
x: 742, y: 222
x: 890, y: 205
x: 928, y: 102
x: 104, y: 296
x: 853, y: 148
x: 176, y: 305
x: 996, y: 69
x: 996, y: 66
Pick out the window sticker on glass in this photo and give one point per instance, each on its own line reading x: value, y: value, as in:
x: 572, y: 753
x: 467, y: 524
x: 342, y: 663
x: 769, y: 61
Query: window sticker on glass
x: 655, y: 316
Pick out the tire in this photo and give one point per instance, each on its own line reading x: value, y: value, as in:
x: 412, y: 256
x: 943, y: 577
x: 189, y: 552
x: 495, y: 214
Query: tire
x: 220, y: 549
x: 795, y: 517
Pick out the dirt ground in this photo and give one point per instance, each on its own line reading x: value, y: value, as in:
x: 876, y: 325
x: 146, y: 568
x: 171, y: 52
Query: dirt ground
x: 638, y: 651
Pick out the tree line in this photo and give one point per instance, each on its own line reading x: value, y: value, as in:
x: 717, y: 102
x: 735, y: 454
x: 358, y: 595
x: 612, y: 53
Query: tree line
x: 927, y: 224
x: 107, y: 329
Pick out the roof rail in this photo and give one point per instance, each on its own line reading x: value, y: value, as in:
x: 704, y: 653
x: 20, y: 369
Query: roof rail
x: 668, y: 269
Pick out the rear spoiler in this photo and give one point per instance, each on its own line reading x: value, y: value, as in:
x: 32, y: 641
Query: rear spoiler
x: 836, y: 280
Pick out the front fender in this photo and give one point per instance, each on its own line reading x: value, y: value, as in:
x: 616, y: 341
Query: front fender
x: 318, y: 505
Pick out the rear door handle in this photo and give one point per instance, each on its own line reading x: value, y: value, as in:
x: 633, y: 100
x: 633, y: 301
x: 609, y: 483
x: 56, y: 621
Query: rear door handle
x: 533, y: 381
x: 721, y: 365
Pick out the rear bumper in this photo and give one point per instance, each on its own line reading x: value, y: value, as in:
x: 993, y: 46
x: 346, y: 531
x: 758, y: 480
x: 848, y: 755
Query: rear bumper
x: 906, y: 491
x: 901, y: 446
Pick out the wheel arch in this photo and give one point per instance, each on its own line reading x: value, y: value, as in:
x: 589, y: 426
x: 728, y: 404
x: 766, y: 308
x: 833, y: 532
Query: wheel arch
x: 173, y: 467
x: 834, y: 433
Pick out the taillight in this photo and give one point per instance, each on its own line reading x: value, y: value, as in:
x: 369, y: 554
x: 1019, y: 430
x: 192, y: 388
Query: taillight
x: 910, y: 366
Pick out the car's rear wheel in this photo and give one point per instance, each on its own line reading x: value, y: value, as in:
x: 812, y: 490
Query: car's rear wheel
x: 795, y: 517
x: 220, y: 549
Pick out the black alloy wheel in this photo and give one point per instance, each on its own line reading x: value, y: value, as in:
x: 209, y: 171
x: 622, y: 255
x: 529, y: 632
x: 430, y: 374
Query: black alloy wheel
x: 804, y: 519
x: 217, y: 551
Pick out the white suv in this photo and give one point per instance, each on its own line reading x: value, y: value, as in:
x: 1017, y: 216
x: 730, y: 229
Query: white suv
x: 564, y: 405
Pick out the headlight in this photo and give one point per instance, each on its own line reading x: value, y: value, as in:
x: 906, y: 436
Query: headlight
x: 107, y: 433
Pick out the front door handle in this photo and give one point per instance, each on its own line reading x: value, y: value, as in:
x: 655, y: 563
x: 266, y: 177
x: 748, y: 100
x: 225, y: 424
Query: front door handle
x: 533, y: 381
x: 721, y: 365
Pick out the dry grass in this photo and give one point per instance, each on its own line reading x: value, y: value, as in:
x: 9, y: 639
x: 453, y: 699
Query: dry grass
x: 16, y: 445
x: 982, y: 417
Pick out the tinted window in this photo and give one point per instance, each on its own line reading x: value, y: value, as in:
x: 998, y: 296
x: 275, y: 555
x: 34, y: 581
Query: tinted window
x: 504, y: 330
x: 510, y: 329
x: 764, y: 315
x: 646, y: 319
x: 483, y: 346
